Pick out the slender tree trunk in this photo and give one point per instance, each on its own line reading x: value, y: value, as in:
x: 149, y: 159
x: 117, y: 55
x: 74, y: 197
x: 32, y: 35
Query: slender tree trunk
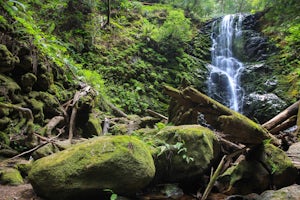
x: 108, y: 12
x: 240, y: 6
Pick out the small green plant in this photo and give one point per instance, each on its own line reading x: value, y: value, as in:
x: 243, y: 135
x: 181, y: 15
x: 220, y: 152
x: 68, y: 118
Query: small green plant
x: 113, y: 195
x: 179, y: 147
x: 160, y: 125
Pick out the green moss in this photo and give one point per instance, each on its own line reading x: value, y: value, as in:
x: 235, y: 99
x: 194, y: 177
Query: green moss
x: 4, y: 121
x: 244, y: 178
x: 11, y: 176
x: 4, y: 139
x: 28, y: 80
x: 184, y: 151
x: 7, y: 60
x: 50, y: 103
x: 95, y: 164
x: 276, y: 159
x: 92, y: 127
x: 24, y: 168
x: 37, y: 109
x: 10, y: 86
x: 60, y: 92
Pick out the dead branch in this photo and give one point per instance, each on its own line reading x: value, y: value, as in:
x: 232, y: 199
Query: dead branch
x: 220, y: 168
x: 117, y: 111
x: 284, y: 125
x: 156, y: 114
x: 72, y: 122
x: 50, y: 140
x: 52, y: 124
x: 213, y: 179
x: 105, y: 126
x: 281, y: 117
x: 83, y: 92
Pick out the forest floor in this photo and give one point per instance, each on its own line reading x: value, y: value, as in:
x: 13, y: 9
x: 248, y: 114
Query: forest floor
x: 20, y: 192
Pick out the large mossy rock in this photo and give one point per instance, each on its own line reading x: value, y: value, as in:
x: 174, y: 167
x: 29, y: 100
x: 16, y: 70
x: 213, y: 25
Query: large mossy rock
x: 185, y: 153
x: 265, y: 166
x: 10, y: 176
x: 121, y: 163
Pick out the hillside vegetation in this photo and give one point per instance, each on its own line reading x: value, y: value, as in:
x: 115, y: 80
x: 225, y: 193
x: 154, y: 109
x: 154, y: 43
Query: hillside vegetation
x: 142, y: 46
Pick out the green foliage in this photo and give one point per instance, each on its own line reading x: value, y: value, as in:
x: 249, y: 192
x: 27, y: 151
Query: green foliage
x: 94, y: 79
x: 179, y: 147
x: 283, y: 28
x: 49, y: 45
x: 160, y: 125
x: 113, y: 196
x: 176, y: 27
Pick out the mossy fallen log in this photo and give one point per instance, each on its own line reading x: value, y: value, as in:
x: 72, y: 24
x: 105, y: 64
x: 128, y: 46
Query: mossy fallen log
x: 187, y: 104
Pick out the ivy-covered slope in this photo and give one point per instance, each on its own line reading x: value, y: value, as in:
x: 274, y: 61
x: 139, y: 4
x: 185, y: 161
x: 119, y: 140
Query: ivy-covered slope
x: 282, y: 26
x: 142, y: 48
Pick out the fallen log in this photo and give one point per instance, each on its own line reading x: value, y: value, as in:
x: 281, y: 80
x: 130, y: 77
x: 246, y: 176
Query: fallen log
x: 284, y: 125
x: 235, y: 126
x: 281, y: 117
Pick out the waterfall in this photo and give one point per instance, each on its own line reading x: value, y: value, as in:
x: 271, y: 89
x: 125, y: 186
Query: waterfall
x: 225, y: 69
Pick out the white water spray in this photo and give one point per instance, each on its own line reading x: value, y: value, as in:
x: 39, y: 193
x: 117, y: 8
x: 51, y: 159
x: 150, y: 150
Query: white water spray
x: 225, y: 69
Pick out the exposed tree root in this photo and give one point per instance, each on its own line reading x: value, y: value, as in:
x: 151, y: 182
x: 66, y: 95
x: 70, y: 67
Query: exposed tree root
x: 26, y: 111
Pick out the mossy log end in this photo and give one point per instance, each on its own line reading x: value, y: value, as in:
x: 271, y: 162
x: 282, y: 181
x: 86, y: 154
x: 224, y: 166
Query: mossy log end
x: 186, y: 105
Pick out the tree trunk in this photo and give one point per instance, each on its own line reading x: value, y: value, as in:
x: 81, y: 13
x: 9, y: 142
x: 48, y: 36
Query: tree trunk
x: 108, y: 12
x: 186, y: 106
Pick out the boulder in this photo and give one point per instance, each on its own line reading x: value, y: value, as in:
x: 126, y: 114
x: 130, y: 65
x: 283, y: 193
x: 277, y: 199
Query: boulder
x: 266, y: 165
x: 244, y: 178
x: 294, y: 153
x: 10, y: 176
x: 291, y: 193
x: 263, y: 107
x: 184, y: 152
x: 122, y: 164
x: 276, y: 161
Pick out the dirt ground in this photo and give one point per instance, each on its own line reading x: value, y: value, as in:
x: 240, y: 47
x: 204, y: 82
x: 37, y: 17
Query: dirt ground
x: 21, y: 192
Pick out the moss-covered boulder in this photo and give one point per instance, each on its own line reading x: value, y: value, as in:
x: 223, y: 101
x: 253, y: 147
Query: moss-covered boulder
x: 120, y: 163
x: 7, y: 60
x: 276, y: 161
x: 184, y: 152
x: 265, y: 166
x: 244, y: 178
x: 10, y: 176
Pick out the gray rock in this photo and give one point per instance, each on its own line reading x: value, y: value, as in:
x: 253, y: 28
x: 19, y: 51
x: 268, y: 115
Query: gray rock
x: 262, y: 107
x: 287, y: 193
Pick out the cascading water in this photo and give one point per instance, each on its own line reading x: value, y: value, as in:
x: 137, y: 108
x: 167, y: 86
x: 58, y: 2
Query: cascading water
x: 225, y: 69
